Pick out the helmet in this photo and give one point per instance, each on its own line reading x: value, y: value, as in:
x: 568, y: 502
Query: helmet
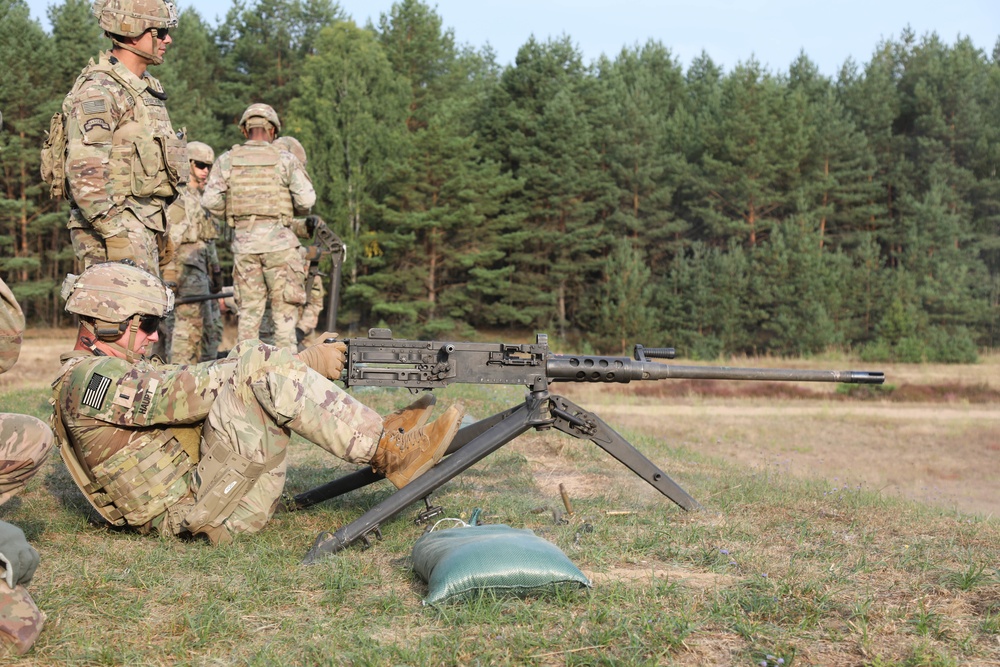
x: 199, y: 152
x: 113, y: 292
x: 257, y: 115
x: 131, y: 18
x: 292, y: 145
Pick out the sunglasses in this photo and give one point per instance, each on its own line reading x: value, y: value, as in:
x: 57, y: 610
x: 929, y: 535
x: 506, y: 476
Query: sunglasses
x: 202, y: 165
x: 161, y: 33
x: 148, y: 324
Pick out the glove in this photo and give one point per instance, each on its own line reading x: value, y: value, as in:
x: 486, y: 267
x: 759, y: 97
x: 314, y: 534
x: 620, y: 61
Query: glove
x: 311, y: 222
x: 167, y: 250
x: 21, y: 558
x: 215, y: 278
x: 170, y: 279
x: 119, y: 247
x: 327, y: 359
x: 312, y: 253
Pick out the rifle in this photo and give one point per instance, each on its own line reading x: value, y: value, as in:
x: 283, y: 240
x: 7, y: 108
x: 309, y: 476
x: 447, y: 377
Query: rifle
x: 381, y: 361
x: 328, y: 243
x: 202, y: 297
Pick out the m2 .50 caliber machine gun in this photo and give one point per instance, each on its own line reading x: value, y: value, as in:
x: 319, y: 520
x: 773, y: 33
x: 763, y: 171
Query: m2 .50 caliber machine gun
x: 381, y: 361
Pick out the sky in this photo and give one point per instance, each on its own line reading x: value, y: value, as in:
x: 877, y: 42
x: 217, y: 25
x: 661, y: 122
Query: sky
x: 729, y: 31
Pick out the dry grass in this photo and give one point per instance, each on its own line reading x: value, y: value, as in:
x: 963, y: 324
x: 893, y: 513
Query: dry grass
x: 796, y: 556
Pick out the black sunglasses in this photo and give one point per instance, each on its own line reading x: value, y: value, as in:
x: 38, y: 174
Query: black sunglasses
x: 161, y: 33
x: 202, y: 165
x: 148, y: 324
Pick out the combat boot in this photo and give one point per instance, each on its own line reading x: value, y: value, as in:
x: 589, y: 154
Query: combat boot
x: 412, y: 416
x: 403, y: 455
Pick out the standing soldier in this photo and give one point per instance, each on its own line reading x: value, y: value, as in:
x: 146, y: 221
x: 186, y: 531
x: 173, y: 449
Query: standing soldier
x: 112, y: 150
x: 197, y: 328
x: 258, y: 188
x: 25, y: 443
x: 304, y: 228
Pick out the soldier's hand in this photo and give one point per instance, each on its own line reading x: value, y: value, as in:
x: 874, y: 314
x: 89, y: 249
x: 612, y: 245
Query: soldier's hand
x: 170, y: 279
x: 327, y: 359
x: 21, y: 558
x: 119, y: 247
x: 312, y: 221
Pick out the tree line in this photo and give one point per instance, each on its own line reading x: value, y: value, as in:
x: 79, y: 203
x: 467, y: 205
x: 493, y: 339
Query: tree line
x: 624, y: 200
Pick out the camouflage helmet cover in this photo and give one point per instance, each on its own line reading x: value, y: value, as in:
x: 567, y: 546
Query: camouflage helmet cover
x: 131, y: 18
x: 114, y: 292
x: 292, y: 145
x: 257, y: 114
x: 199, y: 152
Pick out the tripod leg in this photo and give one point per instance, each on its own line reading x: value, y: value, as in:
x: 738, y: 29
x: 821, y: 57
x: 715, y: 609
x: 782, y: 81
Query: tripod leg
x: 514, y: 423
x: 579, y: 423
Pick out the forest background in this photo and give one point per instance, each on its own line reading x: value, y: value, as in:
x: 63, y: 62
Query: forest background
x: 627, y: 200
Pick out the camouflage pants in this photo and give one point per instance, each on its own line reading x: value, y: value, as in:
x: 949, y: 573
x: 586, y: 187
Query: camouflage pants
x: 25, y: 443
x: 270, y: 395
x: 277, y: 278
x: 308, y: 314
x: 197, y: 327
x: 89, y: 245
x: 315, y: 298
x: 20, y: 620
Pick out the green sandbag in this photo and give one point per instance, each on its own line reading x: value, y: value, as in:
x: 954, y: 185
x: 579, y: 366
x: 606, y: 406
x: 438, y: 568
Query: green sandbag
x: 462, y: 562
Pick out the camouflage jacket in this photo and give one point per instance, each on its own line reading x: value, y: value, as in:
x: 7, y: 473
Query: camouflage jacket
x: 11, y: 328
x: 121, y: 150
x: 192, y: 231
x: 260, y: 233
x: 106, y: 403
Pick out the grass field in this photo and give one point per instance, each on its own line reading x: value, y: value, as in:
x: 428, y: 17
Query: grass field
x: 807, y: 553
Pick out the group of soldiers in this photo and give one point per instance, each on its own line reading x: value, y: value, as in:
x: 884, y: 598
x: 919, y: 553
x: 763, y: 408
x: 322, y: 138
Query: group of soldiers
x: 195, y: 447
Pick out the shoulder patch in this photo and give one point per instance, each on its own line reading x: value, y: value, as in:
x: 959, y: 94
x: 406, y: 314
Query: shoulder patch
x: 97, y: 390
x: 94, y: 123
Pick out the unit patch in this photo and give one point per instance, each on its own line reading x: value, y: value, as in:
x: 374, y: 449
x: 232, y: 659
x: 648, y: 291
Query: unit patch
x: 96, y: 122
x: 97, y: 389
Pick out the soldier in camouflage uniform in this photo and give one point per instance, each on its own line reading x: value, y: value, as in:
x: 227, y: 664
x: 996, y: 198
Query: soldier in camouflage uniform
x: 123, y: 160
x: 201, y: 449
x: 197, y: 327
x: 258, y: 189
x: 314, y: 288
x: 25, y: 443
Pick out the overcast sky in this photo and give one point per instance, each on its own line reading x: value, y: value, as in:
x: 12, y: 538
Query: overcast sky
x: 730, y: 31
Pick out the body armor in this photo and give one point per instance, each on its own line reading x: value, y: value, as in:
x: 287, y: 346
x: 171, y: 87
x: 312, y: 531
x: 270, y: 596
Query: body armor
x: 255, y: 184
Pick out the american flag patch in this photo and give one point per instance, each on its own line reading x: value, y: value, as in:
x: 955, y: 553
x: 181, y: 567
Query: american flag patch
x: 94, y: 106
x: 97, y: 389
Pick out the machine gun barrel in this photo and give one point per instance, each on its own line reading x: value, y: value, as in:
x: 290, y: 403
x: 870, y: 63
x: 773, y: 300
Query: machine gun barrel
x: 381, y: 360
x: 586, y: 368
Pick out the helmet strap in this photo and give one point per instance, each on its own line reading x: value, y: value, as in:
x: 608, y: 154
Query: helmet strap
x: 151, y: 57
x: 102, y: 335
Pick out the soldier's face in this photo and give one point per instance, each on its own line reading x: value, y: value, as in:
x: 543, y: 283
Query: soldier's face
x: 199, y: 173
x: 145, y: 41
x: 142, y: 341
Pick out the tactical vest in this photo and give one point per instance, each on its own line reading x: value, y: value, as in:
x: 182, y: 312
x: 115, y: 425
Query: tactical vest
x: 148, y: 159
x: 255, y: 185
x: 138, y: 482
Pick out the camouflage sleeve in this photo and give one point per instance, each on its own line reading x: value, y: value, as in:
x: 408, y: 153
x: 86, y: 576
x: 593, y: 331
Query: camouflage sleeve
x: 91, y: 119
x: 214, y: 197
x: 143, y: 394
x: 11, y: 328
x: 299, y: 184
